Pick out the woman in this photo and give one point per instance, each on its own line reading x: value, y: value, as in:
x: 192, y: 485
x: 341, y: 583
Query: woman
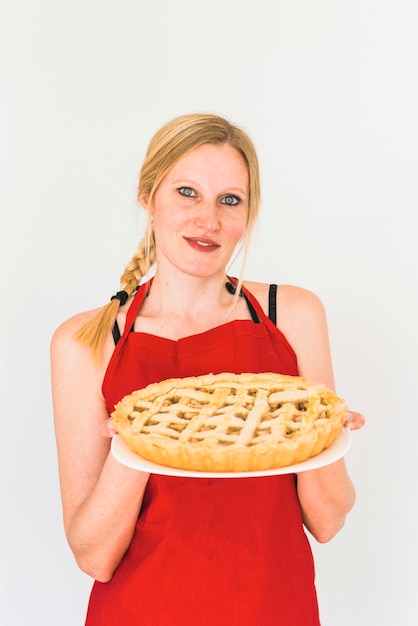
x: 184, y: 551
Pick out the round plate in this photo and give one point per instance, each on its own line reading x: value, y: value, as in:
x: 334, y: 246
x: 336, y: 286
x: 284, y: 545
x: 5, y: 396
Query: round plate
x: 336, y: 450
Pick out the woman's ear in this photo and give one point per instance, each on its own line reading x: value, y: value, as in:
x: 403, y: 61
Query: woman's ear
x: 144, y: 199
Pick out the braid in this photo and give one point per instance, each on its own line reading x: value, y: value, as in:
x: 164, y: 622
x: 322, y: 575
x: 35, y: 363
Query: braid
x: 143, y: 259
x: 96, y: 331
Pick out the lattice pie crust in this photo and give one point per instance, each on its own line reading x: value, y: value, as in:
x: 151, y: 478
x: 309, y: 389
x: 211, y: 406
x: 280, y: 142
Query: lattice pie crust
x: 230, y: 422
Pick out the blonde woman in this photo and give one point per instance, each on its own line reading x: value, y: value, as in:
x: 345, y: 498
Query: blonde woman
x: 165, y: 550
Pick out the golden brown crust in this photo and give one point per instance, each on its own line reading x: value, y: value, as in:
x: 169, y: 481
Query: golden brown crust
x: 230, y: 422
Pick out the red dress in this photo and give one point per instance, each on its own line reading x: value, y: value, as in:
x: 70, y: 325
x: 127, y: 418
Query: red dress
x: 208, y: 551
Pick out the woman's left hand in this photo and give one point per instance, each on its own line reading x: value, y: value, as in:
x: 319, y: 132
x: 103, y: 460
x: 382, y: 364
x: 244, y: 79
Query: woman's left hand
x: 354, y: 420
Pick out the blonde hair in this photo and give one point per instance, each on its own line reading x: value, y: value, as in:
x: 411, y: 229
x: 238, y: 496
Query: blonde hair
x: 172, y: 142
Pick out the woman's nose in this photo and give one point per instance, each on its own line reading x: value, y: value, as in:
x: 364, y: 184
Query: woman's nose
x: 207, y: 215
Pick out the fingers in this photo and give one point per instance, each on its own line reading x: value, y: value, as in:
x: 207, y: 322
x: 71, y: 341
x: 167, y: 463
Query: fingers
x: 107, y: 429
x: 354, y: 420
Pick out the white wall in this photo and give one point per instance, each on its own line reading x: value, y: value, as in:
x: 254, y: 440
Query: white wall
x: 328, y: 92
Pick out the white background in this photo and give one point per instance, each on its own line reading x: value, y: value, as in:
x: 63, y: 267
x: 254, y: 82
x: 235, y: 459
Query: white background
x: 328, y: 92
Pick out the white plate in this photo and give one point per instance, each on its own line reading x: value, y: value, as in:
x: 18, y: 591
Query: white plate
x: 337, y: 450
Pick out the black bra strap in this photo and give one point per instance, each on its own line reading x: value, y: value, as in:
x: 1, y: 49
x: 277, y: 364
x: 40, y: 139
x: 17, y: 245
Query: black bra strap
x: 272, y: 303
x: 116, y: 332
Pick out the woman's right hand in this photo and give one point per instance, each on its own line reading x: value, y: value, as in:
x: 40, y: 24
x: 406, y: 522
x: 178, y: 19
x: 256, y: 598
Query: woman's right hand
x: 107, y: 429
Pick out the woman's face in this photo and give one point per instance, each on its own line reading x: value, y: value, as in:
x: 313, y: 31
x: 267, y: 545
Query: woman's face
x: 200, y: 210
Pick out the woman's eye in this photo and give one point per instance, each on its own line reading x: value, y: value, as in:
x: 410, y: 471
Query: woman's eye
x: 187, y: 191
x: 231, y: 200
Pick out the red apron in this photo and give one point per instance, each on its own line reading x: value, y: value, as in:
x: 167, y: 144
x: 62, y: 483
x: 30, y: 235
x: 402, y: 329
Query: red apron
x: 208, y: 551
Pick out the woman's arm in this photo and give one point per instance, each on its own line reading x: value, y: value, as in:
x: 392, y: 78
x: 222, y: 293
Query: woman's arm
x: 326, y: 494
x: 101, y: 498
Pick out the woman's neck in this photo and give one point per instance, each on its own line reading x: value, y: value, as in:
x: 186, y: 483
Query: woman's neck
x: 188, y: 305
x: 183, y: 294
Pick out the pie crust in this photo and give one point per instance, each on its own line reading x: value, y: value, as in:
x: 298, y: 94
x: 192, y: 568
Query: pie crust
x: 230, y: 422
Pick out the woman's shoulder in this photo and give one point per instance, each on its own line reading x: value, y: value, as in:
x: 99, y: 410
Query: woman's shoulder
x: 291, y: 299
x: 69, y: 327
x: 72, y: 356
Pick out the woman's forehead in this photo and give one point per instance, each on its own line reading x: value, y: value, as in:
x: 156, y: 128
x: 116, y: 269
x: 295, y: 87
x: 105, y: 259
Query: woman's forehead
x: 222, y: 161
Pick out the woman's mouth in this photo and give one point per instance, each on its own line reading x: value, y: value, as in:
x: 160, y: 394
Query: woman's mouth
x: 202, y: 244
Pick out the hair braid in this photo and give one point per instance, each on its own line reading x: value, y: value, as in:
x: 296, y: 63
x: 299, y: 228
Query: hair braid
x: 141, y: 262
x: 96, y: 331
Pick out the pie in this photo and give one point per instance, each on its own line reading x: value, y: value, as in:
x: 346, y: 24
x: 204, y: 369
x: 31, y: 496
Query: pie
x: 230, y: 422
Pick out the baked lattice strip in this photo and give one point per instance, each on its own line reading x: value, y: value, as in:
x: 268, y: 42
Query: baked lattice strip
x: 230, y: 422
